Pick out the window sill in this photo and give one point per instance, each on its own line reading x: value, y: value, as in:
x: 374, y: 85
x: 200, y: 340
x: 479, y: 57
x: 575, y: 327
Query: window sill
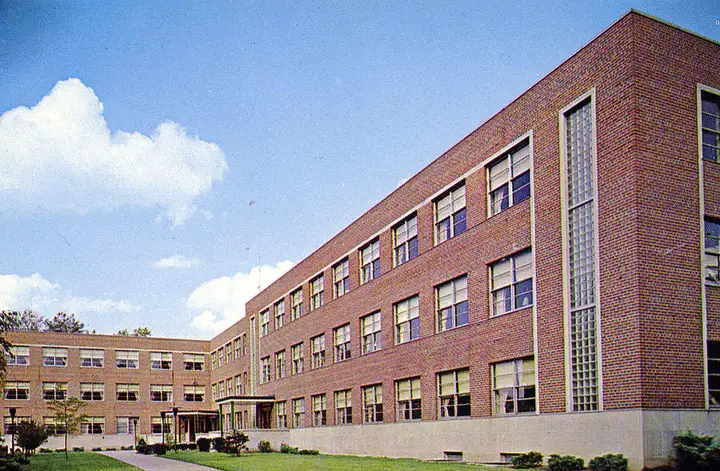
x: 452, y: 328
x: 510, y: 312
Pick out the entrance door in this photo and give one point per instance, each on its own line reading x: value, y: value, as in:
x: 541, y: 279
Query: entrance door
x: 264, y: 415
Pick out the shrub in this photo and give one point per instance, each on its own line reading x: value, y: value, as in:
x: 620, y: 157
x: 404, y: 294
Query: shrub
x: 264, y: 446
x: 78, y: 448
x: 97, y: 448
x: 192, y: 446
x: 219, y: 444
x: 565, y: 463
x: 9, y: 463
x: 608, y: 462
x: 696, y: 452
x: 22, y: 458
x: 159, y: 448
x: 285, y: 448
x: 308, y: 452
x: 182, y: 446
x: 30, y: 435
x: 110, y: 448
x: 203, y: 444
x: 59, y: 450
x: 235, y: 442
x: 45, y: 450
x: 531, y: 459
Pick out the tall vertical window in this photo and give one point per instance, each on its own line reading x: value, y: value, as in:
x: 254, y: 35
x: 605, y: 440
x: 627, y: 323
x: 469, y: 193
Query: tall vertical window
x: 343, y: 407
x: 454, y: 393
x: 228, y: 387
x: 710, y: 127
x: 342, y: 343
x: 54, y: 391
x: 405, y: 241
x: 160, y: 360
x: 17, y: 390
x: 341, y: 278
x: 317, y: 350
x: 370, y: 331
x: 451, y: 304
x: 92, y: 358
x: 161, y: 392
x: 265, y: 370
x: 92, y: 391
x: 509, y: 179
x: 581, y: 229
x: 713, y: 366
x: 711, y: 258
x: 19, y: 356
x: 238, y: 385
x: 280, y: 364
x: 370, y: 261
x: 228, y: 353
x: 296, y: 304
x: 450, y: 214
x: 237, y: 348
x: 297, y: 358
x: 407, y: 320
x: 281, y: 414
x: 372, y: 403
x: 317, y: 292
x: 514, y: 386
x: 511, y: 283
x: 319, y: 409
x: 407, y: 396
x: 279, y: 310
x: 213, y: 360
x: 127, y: 392
x: 264, y: 322
x: 298, y: 406
x: 54, y: 356
x: 126, y: 359
x: 220, y: 356
x: 194, y: 361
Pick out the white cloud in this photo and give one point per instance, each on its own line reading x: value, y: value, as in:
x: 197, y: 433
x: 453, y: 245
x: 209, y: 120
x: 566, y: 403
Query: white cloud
x: 221, y: 301
x: 60, y: 155
x: 175, y: 261
x: 82, y: 304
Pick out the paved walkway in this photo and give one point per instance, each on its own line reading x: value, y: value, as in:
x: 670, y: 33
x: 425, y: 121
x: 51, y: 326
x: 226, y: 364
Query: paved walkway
x: 154, y: 463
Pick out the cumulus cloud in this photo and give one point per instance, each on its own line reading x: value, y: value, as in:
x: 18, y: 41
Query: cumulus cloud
x: 60, y: 155
x: 221, y: 302
x: 175, y: 261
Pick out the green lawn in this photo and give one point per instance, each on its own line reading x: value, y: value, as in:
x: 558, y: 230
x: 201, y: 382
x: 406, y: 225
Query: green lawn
x: 286, y: 462
x: 76, y: 461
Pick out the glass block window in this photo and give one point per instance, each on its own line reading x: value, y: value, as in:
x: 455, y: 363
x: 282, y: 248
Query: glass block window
x: 514, y: 386
x: 54, y: 356
x: 281, y: 414
x: 92, y: 358
x: 264, y: 322
x: 405, y: 241
x: 407, y: 395
x: 451, y: 304
x: 370, y: 261
x: 450, y: 214
x: 317, y: 292
x: 341, y: 278
x: 17, y: 390
x: 126, y: 425
x: 265, y: 370
x: 343, y: 407
x: 296, y: 304
x: 279, y: 311
x: 342, y: 343
x: 161, y: 360
x: 509, y: 179
x: 280, y: 364
x: 407, y: 320
x: 319, y: 410
x: 127, y: 392
x: 298, y: 406
x: 161, y: 392
x: 193, y: 393
x: 372, y: 402
x: 92, y: 426
x: 454, y: 393
x: 54, y: 391
x: 126, y: 359
x: 19, y: 356
x: 194, y: 361
x: 297, y: 358
x: 317, y: 347
x: 710, y: 127
x: 92, y: 391
x: 370, y: 331
x: 711, y: 257
x: 511, y: 283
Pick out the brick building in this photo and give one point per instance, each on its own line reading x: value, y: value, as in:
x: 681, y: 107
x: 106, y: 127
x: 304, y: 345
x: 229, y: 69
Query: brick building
x: 551, y: 282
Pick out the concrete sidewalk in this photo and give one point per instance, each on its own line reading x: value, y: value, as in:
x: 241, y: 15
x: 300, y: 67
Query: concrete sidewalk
x: 154, y: 463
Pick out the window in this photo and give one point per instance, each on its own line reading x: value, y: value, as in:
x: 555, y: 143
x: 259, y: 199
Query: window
x: 317, y: 347
x: 281, y: 414
x: 157, y: 427
x: 238, y: 385
x: 713, y: 355
x: 317, y: 292
x: 370, y: 331
x: 213, y: 391
x: 296, y: 304
x: 244, y: 343
x: 92, y: 426
x: 711, y: 260
x: 8, y: 423
x: 407, y: 395
x: 228, y: 387
x: 407, y: 320
x: 343, y: 407
x: 213, y: 362
x: 511, y: 283
x: 451, y: 304
x: 237, y: 347
x: 265, y: 370
x: 280, y: 364
x: 126, y: 425
x: 514, y: 386
x: 279, y: 310
x: 710, y: 127
x: 54, y: 391
x: 194, y: 361
x: 92, y: 358
x: 54, y: 356
x: 297, y: 358
x: 372, y: 403
x: 509, y: 179
x: 19, y: 356
x: 342, y: 343
x: 126, y: 359
x: 194, y: 393
x: 298, y: 406
x: 160, y: 360
x: 221, y: 354
x: 370, y: 261
x: 450, y: 216
x: 228, y: 353
x: 17, y: 390
x: 319, y: 410
x: 405, y: 241
x: 161, y: 392
x: 454, y: 393
x: 341, y: 278
x: 264, y: 322
x: 52, y: 426
x: 127, y: 392
x: 92, y: 391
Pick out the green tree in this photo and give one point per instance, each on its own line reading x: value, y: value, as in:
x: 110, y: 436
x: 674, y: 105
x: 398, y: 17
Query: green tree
x: 141, y: 332
x: 64, y: 322
x: 7, y: 323
x: 27, y: 320
x: 123, y: 333
x: 30, y: 435
x: 67, y: 415
x: 235, y: 442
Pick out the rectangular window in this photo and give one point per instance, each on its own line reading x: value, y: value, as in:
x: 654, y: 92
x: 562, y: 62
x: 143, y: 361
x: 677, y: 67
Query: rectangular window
x: 450, y: 215
x: 265, y: 370
x: 343, y: 407
x: 126, y: 359
x: 319, y: 409
x: 514, y: 386
x: 407, y: 320
x: 213, y: 360
x: 92, y: 426
x: 298, y: 406
x: 297, y: 358
x: 228, y: 387
x: 710, y: 126
x: 127, y: 392
x: 19, y: 356
x: 54, y: 356
x: 157, y: 427
x: 407, y: 395
x: 281, y: 414
x: 370, y: 261
x: 405, y: 241
x: 52, y: 426
x: 370, y: 331
x: 341, y: 278
x: 451, y: 304
x: 8, y: 423
x: 342, y: 343
x: 17, y: 390
x: 92, y: 391
x: 280, y: 364
x: 160, y: 360
x: 92, y: 358
x: 372, y: 403
x: 454, y: 393
x: 237, y: 348
x: 228, y: 353
x: 711, y: 259
x: 509, y: 179
x: 243, y: 341
x: 54, y: 391
x: 126, y: 425
x: 220, y: 356
x: 317, y: 292
x: 238, y: 385
x: 317, y: 347
x: 512, y: 283
x: 161, y: 392
x: 296, y: 304
x: 194, y: 361
x: 713, y: 356
x: 194, y: 393
x: 279, y: 312
x: 264, y: 322
x: 213, y: 391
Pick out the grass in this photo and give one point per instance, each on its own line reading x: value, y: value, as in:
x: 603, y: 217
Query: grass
x: 77, y: 461
x: 287, y: 462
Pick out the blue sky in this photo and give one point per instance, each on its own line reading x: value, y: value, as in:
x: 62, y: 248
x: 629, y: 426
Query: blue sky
x: 197, y: 141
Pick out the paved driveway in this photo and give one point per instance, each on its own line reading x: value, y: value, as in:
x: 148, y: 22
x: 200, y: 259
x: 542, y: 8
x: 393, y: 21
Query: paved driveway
x: 154, y: 463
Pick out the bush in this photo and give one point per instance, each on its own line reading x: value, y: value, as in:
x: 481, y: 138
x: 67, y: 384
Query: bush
x: 235, y: 442
x: 159, y: 448
x: 30, y: 435
x: 110, y: 448
x: 565, y: 463
x: 78, y: 448
x: 97, y: 448
x: 59, y: 450
x: 608, y: 462
x: 285, y: 448
x: 45, y: 450
x: 696, y: 452
x: 264, y: 446
x: 219, y: 444
x: 192, y: 446
x: 308, y: 452
x: 182, y: 446
x: 531, y: 459
x: 22, y: 458
x: 203, y: 444
x: 9, y: 463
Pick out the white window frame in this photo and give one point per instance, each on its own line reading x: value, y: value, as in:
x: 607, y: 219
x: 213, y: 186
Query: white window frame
x: 372, y: 402
x: 369, y: 261
x: 317, y: 351
x: 457, y: 312
x: 317, y: 292
x: 504, y: 172
x: 519, y: 272
x: 341, y: 336
x: 341, y: 278
x: 371, y: 332
x: 406, y: 315
x: 455, y: 200
x: 297, y: 358
x: 404, y: 239
x: 408, y: 400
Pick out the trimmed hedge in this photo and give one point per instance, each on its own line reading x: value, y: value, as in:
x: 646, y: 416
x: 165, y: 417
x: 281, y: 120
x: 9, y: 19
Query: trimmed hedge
x: 531, y: 459
x: 565, y: 463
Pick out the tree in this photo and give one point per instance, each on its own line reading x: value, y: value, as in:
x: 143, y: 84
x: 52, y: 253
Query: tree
x: 235, y: 442
x: 64, y: 322
x: 123, y: 333
x: 26, y: 320
x: 141, y: 332
x: 30, y: 435
x: 67, y: 415
x: 7, y: 322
